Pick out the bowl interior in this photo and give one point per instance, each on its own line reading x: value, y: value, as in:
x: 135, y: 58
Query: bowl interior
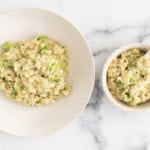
x: 24, y: 24
x: 115, y: 54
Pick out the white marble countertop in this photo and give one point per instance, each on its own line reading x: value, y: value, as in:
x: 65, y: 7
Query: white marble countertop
x: 106, y: 24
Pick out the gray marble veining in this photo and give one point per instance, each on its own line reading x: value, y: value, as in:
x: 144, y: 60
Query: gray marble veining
x: 139, y: 34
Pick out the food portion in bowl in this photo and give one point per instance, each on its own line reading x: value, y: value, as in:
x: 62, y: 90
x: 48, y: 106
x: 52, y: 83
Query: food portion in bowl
x: 128, y: 77
x: 34, y: 72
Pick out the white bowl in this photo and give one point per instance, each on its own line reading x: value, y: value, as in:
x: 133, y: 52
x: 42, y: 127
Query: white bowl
x: 115, y: 101
x: 20, y: 120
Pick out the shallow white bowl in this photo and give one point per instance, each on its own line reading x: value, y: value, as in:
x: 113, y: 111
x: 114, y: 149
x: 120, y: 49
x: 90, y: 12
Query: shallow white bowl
x: 20, y: 120
x: 118, y: 103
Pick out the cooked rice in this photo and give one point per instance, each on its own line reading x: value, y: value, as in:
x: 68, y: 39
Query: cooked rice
x: 34, y: 72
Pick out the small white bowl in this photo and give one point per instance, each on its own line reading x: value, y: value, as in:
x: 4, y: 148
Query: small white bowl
x: 20, y: 120
x: 118, y: 103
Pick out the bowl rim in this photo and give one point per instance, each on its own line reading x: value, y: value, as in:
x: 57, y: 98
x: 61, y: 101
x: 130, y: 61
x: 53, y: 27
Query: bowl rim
x: 92, y: 63
x: 107, y: 92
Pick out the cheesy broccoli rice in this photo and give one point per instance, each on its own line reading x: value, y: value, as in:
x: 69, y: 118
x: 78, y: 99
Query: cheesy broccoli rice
x: 128, y: 77
x: 34, y: 72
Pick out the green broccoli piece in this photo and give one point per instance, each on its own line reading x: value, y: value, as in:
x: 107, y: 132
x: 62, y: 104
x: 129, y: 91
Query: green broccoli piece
x: 7, y: 46
x: 56, y: 79
x: 120, y: 85
x: 62, y: 64
x: 44, y: 48
x: 53, y: 67
x: 42, y: 37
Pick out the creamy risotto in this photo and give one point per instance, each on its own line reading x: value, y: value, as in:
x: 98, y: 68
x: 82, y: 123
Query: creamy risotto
x: 34, y: 72
x: 128, y: 77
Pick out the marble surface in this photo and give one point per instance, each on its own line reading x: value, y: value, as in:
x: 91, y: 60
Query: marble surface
x: 107, y: 25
